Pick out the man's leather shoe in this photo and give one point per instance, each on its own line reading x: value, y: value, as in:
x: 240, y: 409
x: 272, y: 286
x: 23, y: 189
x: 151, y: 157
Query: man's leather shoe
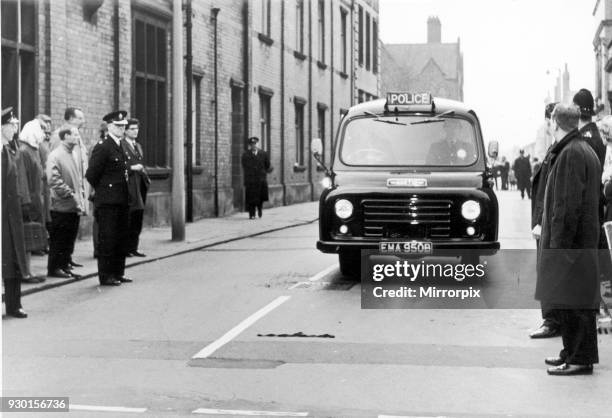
x: 60, y: 274
x: 554, y: 361
x: 125, y: 279
x: 33, y: 279
x: 110, y: 282
x: 545, y: 332
x: 129, y: 255
x: 73, y: 264
x: 570, y: 369
x: 19, y: 313
x: 138, y: 254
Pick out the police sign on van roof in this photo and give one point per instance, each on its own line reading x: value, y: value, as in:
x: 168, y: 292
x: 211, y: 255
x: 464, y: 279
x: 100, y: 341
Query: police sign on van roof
x: 406, y: 98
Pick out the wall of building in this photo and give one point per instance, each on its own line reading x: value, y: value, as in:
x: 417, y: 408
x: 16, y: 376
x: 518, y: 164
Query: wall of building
x: 88, y: 62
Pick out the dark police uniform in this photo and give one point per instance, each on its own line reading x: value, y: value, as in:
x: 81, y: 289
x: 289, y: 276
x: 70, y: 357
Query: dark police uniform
x: 108, y: 175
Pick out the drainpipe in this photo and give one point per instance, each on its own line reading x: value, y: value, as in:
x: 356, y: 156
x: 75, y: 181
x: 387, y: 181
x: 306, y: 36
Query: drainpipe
x: 189, y: 121
x: 310, y: 59
x: 215, y: 11
x: 116, y: 65
x: 282, y: 76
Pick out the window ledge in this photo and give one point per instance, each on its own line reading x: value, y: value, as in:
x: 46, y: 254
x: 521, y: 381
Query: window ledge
x: 297, y: 168
x: 265, y: 39
x: 197, y: 169
x: 321, y: 65
x: 159, y: 173
x: 299, y: 55
x: 343, y: 75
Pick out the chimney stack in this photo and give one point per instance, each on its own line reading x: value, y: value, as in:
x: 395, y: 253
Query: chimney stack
x: 434, y: 30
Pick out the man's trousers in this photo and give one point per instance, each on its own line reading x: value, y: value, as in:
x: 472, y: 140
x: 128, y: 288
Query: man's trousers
x: 113, y: 224
x: 63, y: 233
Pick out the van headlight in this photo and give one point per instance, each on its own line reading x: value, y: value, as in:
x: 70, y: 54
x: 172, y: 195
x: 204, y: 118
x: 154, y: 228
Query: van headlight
x: 343, y: 209
x: 470, y: 210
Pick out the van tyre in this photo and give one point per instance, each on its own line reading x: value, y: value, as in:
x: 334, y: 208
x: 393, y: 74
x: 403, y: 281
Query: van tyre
x: 350, y: 264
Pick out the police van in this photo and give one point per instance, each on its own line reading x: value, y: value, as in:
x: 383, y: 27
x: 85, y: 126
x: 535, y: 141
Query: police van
x: 408, y: 175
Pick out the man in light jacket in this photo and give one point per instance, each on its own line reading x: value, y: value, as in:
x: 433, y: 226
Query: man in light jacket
x: 67, y: 203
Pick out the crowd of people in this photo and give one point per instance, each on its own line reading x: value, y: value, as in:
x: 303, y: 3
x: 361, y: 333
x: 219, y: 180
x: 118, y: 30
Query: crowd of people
x: 49, y: 178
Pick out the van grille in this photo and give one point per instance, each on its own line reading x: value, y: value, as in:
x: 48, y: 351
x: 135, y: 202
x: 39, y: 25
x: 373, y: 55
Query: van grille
x: 412, y: 218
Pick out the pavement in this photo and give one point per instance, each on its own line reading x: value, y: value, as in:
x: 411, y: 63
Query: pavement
x: 156, y: 243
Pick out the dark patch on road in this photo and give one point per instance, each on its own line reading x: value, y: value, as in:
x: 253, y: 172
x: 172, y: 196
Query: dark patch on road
x: 334, y: 285
x: 297, y: 334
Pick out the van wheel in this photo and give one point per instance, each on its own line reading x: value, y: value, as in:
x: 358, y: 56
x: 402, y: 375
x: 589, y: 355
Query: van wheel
x: 350, y: 264
x: 472, y: 259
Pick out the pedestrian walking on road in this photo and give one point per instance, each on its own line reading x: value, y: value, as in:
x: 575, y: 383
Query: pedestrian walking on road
x: 13, y: 241
x: 67, y: 202
x: 108, y: 175
x: 256, y: 166
x: 504, y: 172
x: 568, y: 263
x: 522, y: 171
x: 138, y: 185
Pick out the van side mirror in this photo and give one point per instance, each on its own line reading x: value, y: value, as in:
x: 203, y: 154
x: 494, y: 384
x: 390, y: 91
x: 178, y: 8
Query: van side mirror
x: 493, y: 150
x: 317, y: 147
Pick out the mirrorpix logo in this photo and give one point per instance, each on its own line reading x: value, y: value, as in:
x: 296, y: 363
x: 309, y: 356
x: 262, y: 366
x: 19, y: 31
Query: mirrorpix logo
x: 413, y: 271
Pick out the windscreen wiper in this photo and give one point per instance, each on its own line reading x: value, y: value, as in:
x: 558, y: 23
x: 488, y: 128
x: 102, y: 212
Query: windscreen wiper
x: 437, y: 118
x: 378, y: 119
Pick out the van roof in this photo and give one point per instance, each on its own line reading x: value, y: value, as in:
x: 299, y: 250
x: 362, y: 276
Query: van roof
x: 441, y: 105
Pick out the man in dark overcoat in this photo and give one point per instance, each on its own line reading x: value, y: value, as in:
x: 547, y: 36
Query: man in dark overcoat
x: 256, y: 166
x: 138, y: 185
x: 108, y: 175
x: 13, y: 241
x: 522, y: 171
x: 568, y: 262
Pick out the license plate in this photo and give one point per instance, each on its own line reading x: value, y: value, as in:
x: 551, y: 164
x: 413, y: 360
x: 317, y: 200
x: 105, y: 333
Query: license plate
x: 406, y: 247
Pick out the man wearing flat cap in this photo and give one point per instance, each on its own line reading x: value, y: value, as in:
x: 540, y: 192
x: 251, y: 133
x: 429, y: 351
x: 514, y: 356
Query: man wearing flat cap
x: 13, y: 241
x: 256, y: 166
x: 108, y: 175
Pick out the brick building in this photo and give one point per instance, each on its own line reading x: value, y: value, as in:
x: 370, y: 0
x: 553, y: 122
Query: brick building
x: 434, y: 66
x: 602, y: 47
x: 286, y: 70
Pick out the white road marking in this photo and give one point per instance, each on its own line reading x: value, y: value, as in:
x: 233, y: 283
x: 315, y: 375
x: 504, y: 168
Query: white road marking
x: 316, y: 277
x: 105, y: 408
x: 323, y: 273
x: 207, y: 411
x: 234, y: 332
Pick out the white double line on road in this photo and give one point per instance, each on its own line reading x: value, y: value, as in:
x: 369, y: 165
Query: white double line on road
x: 74, y: 407
x: 317, y: 276
x: 206, y: 411
x: 234, y: 332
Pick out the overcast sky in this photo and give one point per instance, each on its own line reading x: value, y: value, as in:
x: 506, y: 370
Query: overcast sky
x: 508, y: 47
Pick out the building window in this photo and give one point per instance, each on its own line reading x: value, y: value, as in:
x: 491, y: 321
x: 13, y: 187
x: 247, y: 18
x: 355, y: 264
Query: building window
x: 150, y: 98
x: 368, y: 50
x: 299, y: 132
x: 374, y: 46
x: 322, y: 30
x: 360, y: 34
x: 19, y: 28
x: 264, y: 122
x: 265, y: 17
x: 196, y: 120
x: 343, y: 39
x: 360, y: 96
x: 321, y: 128
x: 299, y: 26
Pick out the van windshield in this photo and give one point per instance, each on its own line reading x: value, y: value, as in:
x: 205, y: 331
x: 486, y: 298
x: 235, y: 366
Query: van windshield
x: 442, y: 142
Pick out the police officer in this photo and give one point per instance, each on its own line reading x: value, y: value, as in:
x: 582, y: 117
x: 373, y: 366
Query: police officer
x: 108, y: 175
